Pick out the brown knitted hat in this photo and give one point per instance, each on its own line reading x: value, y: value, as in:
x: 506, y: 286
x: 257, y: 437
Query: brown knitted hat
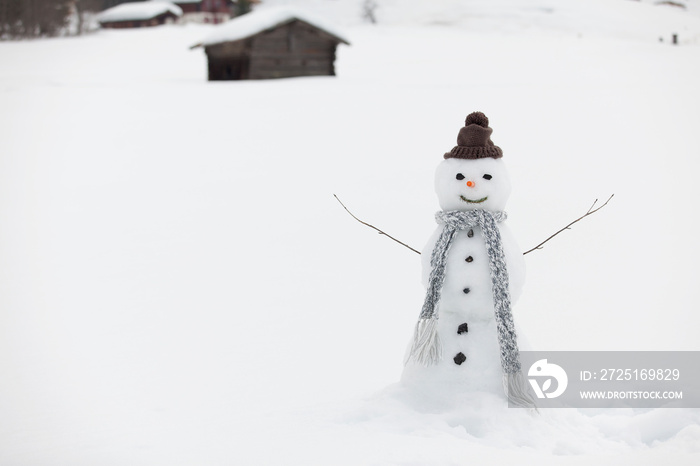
x: 474, y: 140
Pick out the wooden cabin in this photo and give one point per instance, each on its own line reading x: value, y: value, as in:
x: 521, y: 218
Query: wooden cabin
x: 273, y: 43
x: 139, y: 14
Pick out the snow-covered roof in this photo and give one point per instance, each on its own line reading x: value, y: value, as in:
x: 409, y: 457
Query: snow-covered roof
x: 261, y: 20
x: 138, y: 11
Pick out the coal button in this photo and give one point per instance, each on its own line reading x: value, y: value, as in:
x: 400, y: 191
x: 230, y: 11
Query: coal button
x: 466, y: 290
x: 460, y: 358
x: 469, y: 259
x: 463, y: 328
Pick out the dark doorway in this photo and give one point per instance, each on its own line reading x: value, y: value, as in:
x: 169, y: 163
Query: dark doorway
x: 228, y: 70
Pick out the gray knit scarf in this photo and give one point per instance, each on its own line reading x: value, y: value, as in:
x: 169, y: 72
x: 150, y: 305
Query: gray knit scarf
x: 426, y: 348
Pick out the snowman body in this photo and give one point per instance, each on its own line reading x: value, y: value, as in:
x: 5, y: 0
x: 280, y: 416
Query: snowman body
x: 466, y: 322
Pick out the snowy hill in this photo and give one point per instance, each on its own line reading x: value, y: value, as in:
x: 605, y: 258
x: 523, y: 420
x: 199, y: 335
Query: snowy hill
x: 627, y: 19
x: 178, y: 285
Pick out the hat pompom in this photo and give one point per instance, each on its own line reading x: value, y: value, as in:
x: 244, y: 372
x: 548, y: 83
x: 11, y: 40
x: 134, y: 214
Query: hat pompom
x: 477, y: 118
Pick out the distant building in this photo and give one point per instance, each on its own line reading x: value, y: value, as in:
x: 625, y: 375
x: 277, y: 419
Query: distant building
x: 206, y: 11
x: 139, y: 14
x: 272, y: 43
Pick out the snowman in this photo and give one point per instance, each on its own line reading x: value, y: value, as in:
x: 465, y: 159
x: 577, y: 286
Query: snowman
x: 473, y: 271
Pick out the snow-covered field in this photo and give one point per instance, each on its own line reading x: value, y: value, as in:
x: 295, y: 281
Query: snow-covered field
x: 178, y: 285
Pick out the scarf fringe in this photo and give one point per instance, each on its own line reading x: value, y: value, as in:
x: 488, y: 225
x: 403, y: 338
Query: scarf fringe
x: 426, y: 348
x: 518, y: 391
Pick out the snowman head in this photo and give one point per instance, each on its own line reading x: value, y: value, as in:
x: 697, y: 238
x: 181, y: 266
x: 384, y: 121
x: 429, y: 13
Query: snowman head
x: 463, y: 184
x: 473, y: 175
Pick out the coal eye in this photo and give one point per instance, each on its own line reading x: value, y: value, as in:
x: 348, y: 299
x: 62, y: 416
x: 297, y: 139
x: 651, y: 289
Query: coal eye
x: 487, y: 176
x: 460, y: 176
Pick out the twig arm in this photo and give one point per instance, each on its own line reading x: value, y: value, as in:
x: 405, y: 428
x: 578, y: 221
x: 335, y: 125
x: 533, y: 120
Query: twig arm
x: 374, y: 228
x: 590, y: 211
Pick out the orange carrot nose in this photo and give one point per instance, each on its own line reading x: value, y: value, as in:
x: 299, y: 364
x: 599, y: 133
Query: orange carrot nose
x: 471, y: 184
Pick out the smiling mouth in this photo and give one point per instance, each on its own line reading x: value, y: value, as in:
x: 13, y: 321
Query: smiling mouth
x: 473, y: 202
